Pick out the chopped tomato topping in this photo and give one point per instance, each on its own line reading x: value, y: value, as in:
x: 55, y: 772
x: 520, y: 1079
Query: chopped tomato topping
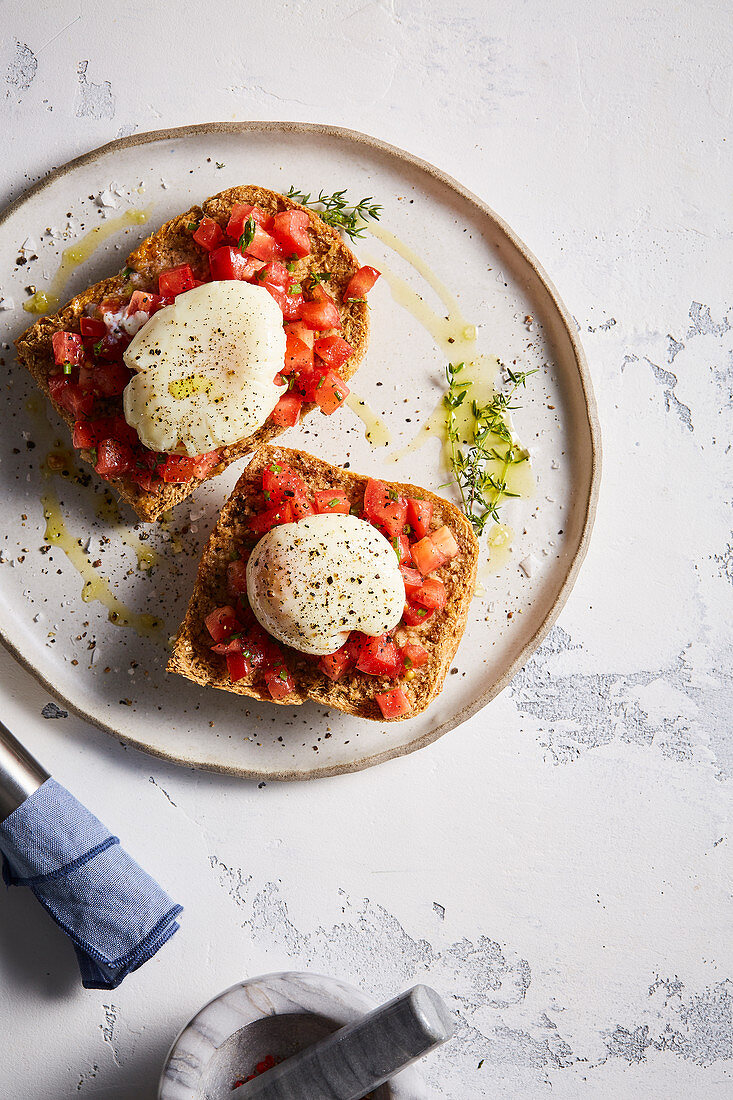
x: 67, y: 348
x: 176, y: 281
x: 142, y: 302
x: 413, y: 580
x: 274, y: 272
x: 333, y: 350
x: 427, y: 556
x: 92, y: 329
x: 385, y: 507
x: 331, y: 391
x: 401, y: 545
x: 105, y: 379
x: 287, y: 411
x: 184, y: 467
x: 114, y: 458
x: 263, y: 246
x: 209, y: 234
x: 394, y: 703
x: 301, y: 331
x: 241, y: 213
x: 70, y: 396
x: 221, y: 623
x: 332, y: 500
x: 431, y: 594
x: 236, y: 577
x: 227, y: 262
x: 416, y: 616
x: 444, y: 541
x: 375, y: 656
x: 271, y: 517
x: 238, y: 666
x: 290, y: 229
x: 334, y: 665
x: 298, y: 356
x: 321, y: 315
x: 414, y: 655
x: 281, y: 483
x: 361, y: 283
x: 84, y: 436
x: 419, y: 516
x: 280, y: 683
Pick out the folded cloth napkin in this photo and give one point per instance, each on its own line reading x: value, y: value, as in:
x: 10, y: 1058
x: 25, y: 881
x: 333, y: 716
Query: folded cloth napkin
x: 116, y: 915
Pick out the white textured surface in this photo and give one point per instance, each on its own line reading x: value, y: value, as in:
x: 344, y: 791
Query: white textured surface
x: 563, y: 878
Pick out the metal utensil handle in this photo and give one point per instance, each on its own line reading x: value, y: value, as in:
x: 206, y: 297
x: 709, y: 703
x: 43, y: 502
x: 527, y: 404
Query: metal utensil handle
x: 362, y: 1056
x: 20, y: 773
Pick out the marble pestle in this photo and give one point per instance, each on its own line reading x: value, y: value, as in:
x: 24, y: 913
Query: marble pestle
x: 358, y: 1058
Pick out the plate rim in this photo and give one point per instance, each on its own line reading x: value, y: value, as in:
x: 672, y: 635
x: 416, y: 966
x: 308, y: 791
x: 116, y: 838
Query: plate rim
x: 344, y: 133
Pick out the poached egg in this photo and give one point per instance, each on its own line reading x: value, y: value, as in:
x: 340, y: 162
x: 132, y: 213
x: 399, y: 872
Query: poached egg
x: 205, y: 368
x: 312, y: 582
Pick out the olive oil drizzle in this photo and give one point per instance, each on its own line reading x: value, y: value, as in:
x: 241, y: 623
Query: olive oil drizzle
x: 44, y: 301
x: 376, y: 431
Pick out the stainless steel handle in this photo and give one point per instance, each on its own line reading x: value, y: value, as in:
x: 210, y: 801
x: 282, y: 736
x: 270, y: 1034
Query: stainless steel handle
x: 20, y: 774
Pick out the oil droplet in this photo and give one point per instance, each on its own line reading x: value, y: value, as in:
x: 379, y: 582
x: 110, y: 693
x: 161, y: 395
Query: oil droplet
x: 43, y: 301
x: 95, y: 586
x: 376, y: 431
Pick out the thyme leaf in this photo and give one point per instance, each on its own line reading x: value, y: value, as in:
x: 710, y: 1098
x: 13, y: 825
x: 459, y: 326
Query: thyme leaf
x: 337, y: 210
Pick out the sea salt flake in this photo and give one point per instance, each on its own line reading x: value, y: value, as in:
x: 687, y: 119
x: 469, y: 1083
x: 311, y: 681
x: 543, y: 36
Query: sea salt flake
x: 529, y: 565
x: 28, y: 247
x: 106, y: 198
x: 7, y: 303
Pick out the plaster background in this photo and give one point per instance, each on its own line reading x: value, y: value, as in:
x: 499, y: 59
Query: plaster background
x: 559, y: 867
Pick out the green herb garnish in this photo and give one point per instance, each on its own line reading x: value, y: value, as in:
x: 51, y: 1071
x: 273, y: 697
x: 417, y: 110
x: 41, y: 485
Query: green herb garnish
x: 126, y: 272
x: 482, y: 491
x: 250, y: 228
x: 336, y: 210
x: 295, y: 288
x: 193, y: 225
x: 67, y: 368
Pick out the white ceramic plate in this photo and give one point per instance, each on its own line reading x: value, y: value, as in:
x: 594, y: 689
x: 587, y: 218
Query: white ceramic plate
x: 125, y: 688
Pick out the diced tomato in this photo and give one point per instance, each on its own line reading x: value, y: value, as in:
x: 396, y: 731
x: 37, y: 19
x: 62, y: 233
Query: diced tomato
x: 232, y: 645
x: 394, y: 703
x: 263, y: 246
x: 236, y: 577
x: 146, y: 479
x: 92, y: 329
x: 287, y: 411
x: 176, y: 281
x: 290, y: 229
x: 335, y: 664
x: 280, y: 683
x: 142, y: 302
x: 331, y: 392
x: 319, y: 293
x: 375, y: 656
x: 84, y: 436
x: 114, y: 458
x: 431, y: 594
x: 221, y: 623
x: 105, y: 379
x: 332, y: 500
x: 271, y: 517
x: 416, y: 616
x: 427, y: 556
x: 298, y: 356
x: 281, y: 483
x: 444, y: 541
x: 71, y: 397
x: 116, y: 427
x: 237, y: 666
x: 241, y: 213
x: 301, y: 506
x: 385, y: 507
x: 278, y: 294
x: 274, y: 272
x: 209, y: 234
x: 110, y: 348
x: 361, y: 283
x: 204, y: 464
x: 177, y: 468
x: 321, y: 315
x: 301, y: 331
x: 401, y: 545
x: 293, y: 305
x: 419, y: 515
x: 227, y: 262
x: 413, y: 580
x: 67, y: 348
x: 333, y: 350
x: 414, y: 655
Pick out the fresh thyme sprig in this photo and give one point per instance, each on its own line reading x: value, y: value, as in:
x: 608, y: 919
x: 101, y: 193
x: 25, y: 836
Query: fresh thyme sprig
x: 482, y: 491
x: 338, y: 211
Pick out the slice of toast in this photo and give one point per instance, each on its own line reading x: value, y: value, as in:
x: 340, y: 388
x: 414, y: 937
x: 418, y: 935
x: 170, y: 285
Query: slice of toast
x: 354, y: 692
x: 170, y: 246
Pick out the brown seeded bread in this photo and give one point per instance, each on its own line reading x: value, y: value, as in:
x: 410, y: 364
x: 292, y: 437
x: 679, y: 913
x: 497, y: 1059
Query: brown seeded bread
x: 354, y: 693
x: 171, y: 245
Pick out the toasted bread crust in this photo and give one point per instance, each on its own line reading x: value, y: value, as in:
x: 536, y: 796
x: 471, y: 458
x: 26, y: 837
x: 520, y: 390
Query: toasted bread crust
x: 354, y: 693
x: 171, y: 245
